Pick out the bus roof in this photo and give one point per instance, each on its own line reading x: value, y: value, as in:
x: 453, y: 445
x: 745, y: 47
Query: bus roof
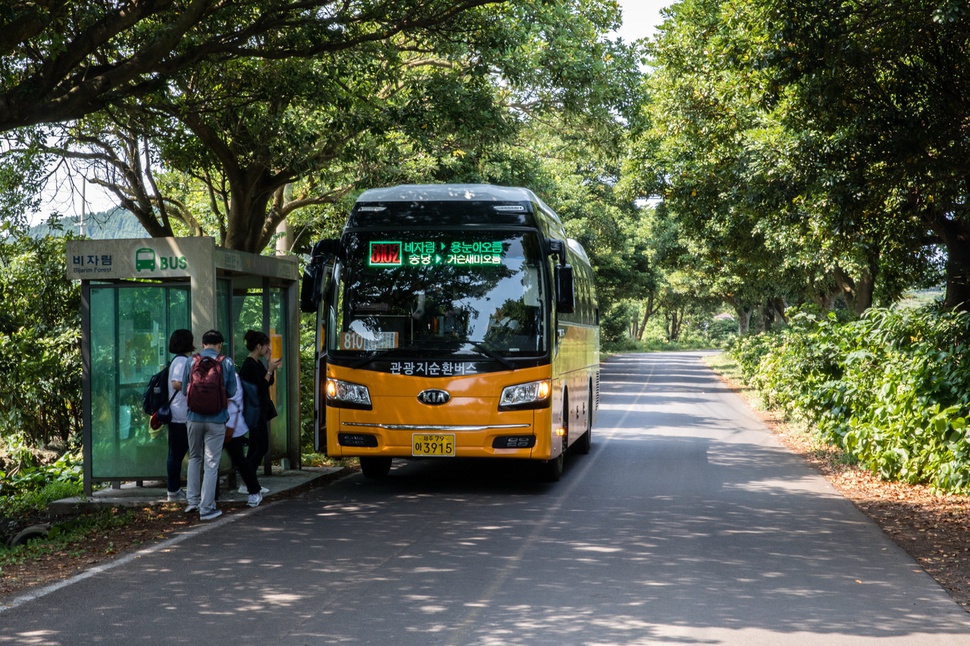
x: 578, y: 249
x: 417, y: 201
x: 448, y: 193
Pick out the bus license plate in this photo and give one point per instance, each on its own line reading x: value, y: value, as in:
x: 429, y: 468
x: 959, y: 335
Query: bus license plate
x: 433, y: 445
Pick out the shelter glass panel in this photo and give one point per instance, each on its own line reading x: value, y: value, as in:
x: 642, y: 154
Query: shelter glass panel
x: 249, y: 308
x: 130, y: 328
x: 223, y: 320
x: 279, y: 335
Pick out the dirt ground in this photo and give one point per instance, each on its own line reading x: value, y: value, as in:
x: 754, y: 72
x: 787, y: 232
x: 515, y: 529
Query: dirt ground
x: 934, y: 529
x: 148, y: 525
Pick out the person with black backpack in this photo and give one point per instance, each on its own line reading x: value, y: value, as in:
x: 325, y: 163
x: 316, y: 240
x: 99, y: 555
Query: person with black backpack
x: 210, y: 379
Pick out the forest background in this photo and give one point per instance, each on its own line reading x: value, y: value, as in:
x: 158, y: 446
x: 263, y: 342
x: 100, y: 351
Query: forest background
x: 771, y: 176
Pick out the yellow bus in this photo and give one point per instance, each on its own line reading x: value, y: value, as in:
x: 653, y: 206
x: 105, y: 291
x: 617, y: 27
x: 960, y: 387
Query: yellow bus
x: 453, y: 321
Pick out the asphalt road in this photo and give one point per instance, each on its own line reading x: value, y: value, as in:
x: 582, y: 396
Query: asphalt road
x: 686, y: 524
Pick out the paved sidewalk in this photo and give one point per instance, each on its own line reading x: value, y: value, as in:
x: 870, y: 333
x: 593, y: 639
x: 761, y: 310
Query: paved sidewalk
x: 154, y: 492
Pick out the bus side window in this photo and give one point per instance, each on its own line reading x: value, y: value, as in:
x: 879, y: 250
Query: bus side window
x: 565, y: 289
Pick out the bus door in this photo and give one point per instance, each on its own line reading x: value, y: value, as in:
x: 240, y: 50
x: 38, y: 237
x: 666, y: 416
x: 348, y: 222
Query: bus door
x: 315, y: 296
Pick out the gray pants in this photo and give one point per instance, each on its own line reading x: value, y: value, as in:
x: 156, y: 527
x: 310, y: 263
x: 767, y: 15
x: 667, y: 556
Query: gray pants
x: 205, y: 451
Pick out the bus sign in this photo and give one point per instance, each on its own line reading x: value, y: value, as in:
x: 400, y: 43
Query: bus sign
x: 351, y: 340
x: 385, y: 254
x: 429, y: 252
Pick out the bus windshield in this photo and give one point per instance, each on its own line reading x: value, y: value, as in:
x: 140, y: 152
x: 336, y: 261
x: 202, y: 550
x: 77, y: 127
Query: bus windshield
x: 425, y: 292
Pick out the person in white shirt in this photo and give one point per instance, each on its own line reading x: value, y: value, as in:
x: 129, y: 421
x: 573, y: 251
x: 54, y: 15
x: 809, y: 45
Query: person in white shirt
x: 181, y: 344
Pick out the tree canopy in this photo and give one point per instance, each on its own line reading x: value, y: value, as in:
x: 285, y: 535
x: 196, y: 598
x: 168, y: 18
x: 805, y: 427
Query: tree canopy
x: 61, y: 60
x: 790, y: 152
x: 811, y: 151
x: 232, y: 145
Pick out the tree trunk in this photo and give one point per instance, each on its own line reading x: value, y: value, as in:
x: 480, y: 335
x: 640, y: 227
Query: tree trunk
x: 648, y: 311
x: 954, y: 233
x: 865, y: 287
x: 743, y: 310
x: 777, y: 307
x: 674, y: 323
x: 958, y: 276
x: 956, y: 237
x: 744, y: 320
x: 285, y: 242
x: 824, y: 293
x: 857, y: 292
x: 251, y: 194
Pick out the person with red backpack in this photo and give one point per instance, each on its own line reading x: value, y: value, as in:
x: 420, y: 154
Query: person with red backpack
x: 211, y: 379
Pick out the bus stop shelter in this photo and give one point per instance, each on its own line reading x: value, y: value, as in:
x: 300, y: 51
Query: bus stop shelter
x: 134, y: 294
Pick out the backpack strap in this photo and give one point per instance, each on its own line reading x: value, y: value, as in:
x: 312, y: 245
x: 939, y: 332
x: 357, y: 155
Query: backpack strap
x: 169, y: 384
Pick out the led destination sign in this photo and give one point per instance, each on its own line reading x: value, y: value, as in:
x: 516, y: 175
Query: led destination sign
x: 397, y: 253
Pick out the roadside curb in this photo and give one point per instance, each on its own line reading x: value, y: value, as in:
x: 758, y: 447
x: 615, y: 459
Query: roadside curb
x: 136, y: 494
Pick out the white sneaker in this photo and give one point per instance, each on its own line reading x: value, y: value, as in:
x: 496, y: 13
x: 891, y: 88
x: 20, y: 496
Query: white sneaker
x: 244, y: 489
x: 215, y: 513
x: 176, y: 496
x: 254, y: 499
x: 191, y: 508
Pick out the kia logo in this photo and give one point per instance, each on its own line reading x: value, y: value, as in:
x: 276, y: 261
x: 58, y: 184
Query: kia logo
x: 434, y: 397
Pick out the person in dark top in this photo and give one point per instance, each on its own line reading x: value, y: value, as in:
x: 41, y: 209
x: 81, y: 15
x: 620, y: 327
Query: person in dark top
x: 259, y: 377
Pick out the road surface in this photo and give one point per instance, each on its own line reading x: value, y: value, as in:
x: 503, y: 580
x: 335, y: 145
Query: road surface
x: 686, y: 524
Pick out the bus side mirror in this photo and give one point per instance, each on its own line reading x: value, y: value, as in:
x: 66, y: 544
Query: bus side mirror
x: 556, y: 248
x: 565, y: 289
x: 314, y: 274
x: 310, y: 287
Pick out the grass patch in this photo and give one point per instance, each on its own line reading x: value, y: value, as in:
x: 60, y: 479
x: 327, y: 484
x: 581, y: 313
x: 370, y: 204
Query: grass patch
x: 724, y: 365
x: 320, y: 460
x: 35, y: 501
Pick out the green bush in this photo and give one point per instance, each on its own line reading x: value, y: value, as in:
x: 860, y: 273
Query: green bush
x: 892, y: 389
x: 37, y: 500
x: 41, y: 319
x: 908, y: 380
x: 307, y: 343
x: 749, y: 350
x: 29, y: 486
x: 615, y: 324
x: 794, y: 374
x: 708, y: 332
x: 27, y: 483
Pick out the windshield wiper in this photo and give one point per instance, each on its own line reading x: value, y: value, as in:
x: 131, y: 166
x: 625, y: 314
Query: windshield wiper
x: 490, y: 354
x: 377, y: 354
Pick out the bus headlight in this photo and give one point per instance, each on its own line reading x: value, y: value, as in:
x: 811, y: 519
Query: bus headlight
x: 344, y: 394
x: 534, y: 394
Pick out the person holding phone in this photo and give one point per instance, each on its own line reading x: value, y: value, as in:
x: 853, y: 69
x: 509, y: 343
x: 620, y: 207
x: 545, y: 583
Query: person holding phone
x: 258, y: 378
